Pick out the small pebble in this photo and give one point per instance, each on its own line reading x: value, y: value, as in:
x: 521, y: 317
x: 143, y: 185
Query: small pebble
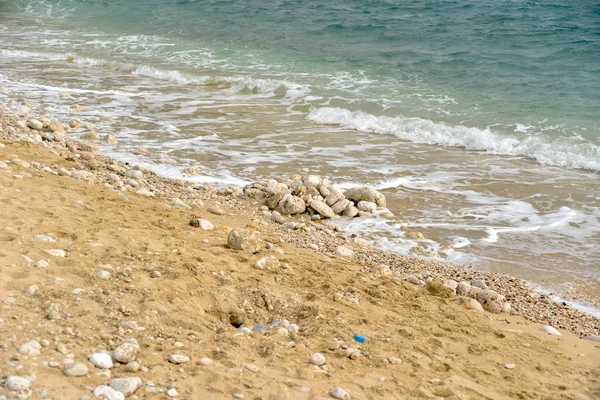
x: 205, y: 362
x: 340, y: 393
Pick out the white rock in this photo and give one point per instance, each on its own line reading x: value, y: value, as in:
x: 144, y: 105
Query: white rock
x: 63, y: 172
x: 463, y: 288
x: 75, y: 369
x: 550, y: 330
x: 366, y: 206
x: 382, y: 270
x: 179, y: 203
x: 103, y: 274
x: 17, y: 383
x: 127, y: 386
x: 145, y: 193
x: 56, y: 252
x: 107, y: 393
x: 366, y: 193
x: 178, y: 358
x: 479, y: 283
x: 269, y: 263
x: 35, y: 124
x: 31, y: 289
x: 44, y: 238
x: 334, y: 196
x: 126, y: 352
x: 172, y: 392
x: 340, y: 393
x: 101, y: 360
x: 31, y: 348
x: 202, y: 224
x: 245, y: 239
x: 322, y: 208
x: 135, y: 174
x: 317, y: 359
x: 344, y: 251
x: 205, y: 362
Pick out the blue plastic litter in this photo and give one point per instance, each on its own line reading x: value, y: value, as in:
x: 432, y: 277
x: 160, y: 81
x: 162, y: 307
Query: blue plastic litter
x: 359, y: 339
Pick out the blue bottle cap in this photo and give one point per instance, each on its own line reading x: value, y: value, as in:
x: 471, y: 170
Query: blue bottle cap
x: 359, y: 339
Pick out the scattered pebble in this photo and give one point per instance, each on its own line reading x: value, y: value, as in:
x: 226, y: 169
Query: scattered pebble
x: 178, y: 358
x: 17, y: 383
x: 75, y: 369
x: 550, y: 330
x: 340, y: 393
x: 101, y: 360
x: 317, y: 359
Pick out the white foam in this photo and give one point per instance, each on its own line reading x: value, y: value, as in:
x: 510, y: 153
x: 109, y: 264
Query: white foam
x: 562, y: 152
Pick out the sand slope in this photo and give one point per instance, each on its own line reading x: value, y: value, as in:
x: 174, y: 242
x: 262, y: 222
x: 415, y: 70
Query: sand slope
x: 417, y: 345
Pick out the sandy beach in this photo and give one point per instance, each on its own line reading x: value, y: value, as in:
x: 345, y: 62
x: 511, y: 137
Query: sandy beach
x: 119, y: 283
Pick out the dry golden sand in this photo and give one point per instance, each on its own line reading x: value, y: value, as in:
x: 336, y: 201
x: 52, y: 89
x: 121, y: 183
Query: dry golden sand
x: 437, y: 348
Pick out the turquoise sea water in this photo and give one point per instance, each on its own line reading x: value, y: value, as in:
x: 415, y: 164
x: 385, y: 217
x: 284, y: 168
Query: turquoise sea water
x: 479, y: 119
x: 527, y: 70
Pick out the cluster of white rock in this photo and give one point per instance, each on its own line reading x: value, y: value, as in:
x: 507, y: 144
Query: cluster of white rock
x: 317, y: 196
x: 475, y: 294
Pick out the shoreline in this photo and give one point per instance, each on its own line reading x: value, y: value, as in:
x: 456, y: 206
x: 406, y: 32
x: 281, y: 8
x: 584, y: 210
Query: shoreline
x: 171, y: 278
x: 524, y: 299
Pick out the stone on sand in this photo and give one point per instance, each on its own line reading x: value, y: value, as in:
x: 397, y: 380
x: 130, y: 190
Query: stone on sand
x: 127, y: 386
x: 245, y: 239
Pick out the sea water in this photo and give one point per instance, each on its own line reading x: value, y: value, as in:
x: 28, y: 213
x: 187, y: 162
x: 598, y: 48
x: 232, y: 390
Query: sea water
x: 480, y: 121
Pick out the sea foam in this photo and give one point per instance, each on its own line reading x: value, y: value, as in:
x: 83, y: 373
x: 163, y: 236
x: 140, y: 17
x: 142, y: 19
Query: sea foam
x: 563, y: 152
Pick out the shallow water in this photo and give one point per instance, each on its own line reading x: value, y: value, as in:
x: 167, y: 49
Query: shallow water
x: 482, y: 132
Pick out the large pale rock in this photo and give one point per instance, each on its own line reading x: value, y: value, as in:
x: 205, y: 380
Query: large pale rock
x: 350, y: 211
x: 17, y: 383
x: 31, y: 348
x: 75, y: 369
x: 245, y: 239
x: 366, y: 193
x: 317, y: 359
x: 274, y: 199
x: 178, y: 358
x: 290, y: 205
x: 105, y: 392
x: 470, y: 304
x: 126, y: 352
x: 382, y: 270
x: 312, y: 181
x: 491, y: 301
x: 366, y: 206
x: 90, y: 135
x: 437, y: 288
x: 101, y: 360
x: 551, y: 330
x: 35, y: 124
x: 334, y: 196
x: 322, y: 208
x: 344, y: 251
x: 463, y: 288
x: 340, y: 206
x: 127, y: 386
x: 297, y: 188
x: 56, y: 127
x: 269, y: 263
x: 202, y: 224
x: 255, y: 190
